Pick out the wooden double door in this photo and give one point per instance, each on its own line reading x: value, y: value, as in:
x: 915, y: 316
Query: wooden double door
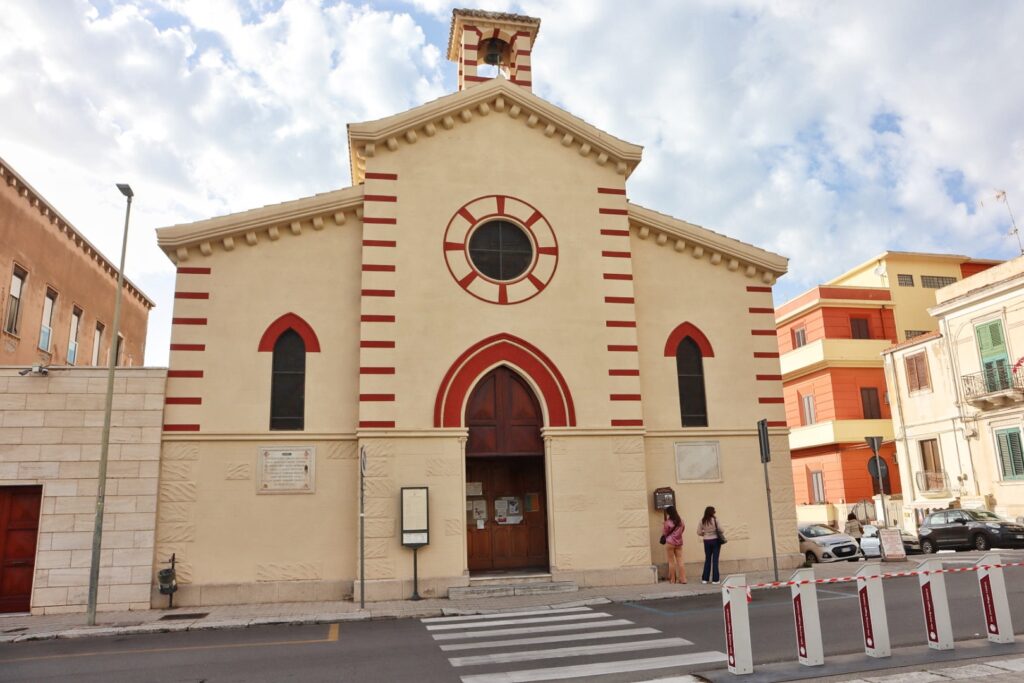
x: 506, y: 502
x: 19, y: 527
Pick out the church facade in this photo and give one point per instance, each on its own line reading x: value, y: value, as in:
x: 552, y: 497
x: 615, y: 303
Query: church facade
x: 483, y: 314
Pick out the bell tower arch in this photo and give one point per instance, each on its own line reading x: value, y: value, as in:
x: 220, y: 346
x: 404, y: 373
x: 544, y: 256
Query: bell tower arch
x: 487, y: 45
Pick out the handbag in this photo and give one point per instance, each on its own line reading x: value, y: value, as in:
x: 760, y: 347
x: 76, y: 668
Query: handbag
x: 662, y: 539
x: 721, y: 537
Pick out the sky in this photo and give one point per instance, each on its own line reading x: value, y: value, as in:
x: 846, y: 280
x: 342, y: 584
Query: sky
x: 825, y: 132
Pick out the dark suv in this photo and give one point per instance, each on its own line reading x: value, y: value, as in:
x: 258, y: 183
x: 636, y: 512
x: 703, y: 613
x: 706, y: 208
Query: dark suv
x: 969, y: 529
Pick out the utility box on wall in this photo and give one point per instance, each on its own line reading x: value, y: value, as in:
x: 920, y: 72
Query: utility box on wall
x: 663, y: 497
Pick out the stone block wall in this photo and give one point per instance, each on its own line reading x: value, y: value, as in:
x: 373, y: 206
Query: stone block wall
x: 50, y: 432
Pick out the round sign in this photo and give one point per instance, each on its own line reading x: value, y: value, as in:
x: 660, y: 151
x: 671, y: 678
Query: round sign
x: 873, y: 466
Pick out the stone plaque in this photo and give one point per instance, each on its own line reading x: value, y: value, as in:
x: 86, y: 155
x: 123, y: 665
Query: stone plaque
x: 287, y: 470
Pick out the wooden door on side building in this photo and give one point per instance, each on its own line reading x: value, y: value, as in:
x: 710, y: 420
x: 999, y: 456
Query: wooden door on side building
x: 19, y: 528
x: 505, y: 476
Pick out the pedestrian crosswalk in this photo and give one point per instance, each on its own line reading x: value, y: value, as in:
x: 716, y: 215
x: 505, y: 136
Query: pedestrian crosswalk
x: 561, y: 638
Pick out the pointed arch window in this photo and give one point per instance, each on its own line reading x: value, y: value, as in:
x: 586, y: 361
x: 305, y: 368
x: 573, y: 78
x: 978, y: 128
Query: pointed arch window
x: 288, y: 382
x: 693, y: 408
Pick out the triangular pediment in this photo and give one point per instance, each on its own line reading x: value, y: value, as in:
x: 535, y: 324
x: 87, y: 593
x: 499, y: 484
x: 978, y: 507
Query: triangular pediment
x: 497, y: 97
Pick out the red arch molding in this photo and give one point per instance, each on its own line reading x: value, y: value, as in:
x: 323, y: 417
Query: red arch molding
x: 693, y: 332
x: 294, y: 322
x: 487, y: 353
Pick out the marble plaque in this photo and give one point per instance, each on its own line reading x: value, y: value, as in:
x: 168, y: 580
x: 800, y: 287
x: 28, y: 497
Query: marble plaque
x: 287, y: 470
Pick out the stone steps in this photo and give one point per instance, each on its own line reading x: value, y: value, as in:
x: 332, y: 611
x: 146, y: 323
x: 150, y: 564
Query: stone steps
x: 509, y: 589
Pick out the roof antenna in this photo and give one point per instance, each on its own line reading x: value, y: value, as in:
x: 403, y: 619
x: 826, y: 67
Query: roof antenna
x: 1001, y: 197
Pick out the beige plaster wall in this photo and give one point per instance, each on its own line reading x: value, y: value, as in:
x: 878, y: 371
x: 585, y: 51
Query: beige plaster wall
x: 50, y: 433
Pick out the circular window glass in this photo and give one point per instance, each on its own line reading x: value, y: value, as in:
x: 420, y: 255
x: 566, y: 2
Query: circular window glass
x: 501, y: 250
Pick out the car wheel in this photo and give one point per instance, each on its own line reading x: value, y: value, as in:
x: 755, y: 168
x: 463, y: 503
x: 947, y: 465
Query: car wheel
x: 811, y: 557
x: 981, y: 542
x: 927, y: 547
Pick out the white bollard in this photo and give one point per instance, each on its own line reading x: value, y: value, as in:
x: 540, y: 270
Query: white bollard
x: 994, y: 602
x: 809, y: 649
x: 937, y: 625
x: 737, y: 624
x: 873, y: 621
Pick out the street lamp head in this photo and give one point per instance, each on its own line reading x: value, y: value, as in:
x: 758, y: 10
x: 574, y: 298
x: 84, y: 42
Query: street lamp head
x: 126, y: 190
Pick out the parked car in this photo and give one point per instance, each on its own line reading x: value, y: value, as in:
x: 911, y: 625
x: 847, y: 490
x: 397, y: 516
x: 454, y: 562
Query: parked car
x: 820, y: 543
x: 969, y: 529
x: 871, y: 545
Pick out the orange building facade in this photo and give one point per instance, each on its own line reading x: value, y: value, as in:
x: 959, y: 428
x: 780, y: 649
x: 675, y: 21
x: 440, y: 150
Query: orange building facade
x: 57, y: 305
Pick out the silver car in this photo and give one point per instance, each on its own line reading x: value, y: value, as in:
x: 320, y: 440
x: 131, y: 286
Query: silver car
x: 870, y: 544
x: 820, y: 543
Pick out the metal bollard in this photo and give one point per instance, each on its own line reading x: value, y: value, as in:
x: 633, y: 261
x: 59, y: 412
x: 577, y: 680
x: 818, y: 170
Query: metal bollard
x: 994, y: 602
x: 873, y: 621
x: 809, y: 649
x: 938, y: 627
x: 737, y: 624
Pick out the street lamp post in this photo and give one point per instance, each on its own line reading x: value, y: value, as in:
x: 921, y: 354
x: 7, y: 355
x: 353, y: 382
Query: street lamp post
x: 101, y: 489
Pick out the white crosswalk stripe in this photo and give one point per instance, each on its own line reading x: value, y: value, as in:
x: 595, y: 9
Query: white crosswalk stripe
x: 482, y: 632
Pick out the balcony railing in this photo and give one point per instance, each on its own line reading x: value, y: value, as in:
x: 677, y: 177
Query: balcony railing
x: 932, y: 481
x: 992, y: 381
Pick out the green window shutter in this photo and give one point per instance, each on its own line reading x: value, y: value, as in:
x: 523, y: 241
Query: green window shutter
x: 1016, y: 456
x: 991, y: 342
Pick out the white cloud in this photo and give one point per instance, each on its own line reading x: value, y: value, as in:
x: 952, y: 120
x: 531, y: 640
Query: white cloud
x: 826, y: 132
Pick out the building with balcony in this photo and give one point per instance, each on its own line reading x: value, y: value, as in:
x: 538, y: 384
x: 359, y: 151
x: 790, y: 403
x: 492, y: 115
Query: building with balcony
x: 831, y: 340
x: 958, y: 398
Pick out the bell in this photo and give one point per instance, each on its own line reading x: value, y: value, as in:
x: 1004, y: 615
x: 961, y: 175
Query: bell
x: 493, y: 55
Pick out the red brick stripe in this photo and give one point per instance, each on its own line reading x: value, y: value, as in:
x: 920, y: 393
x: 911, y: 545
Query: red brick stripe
x: 763, y: 333
x: 550, y: 251
x: 377, y: 268
x: 757, y: 309
x: 191, y: 295
x: 625, y: 397
x: 373, y: 318
x: 376, y: 371
x: 622, y: 347
x: 619, y: 300
x: 615, y: 233
x: 193, y: 270
x: 376, y: 344
x: 454, y: 246
x: 185, y: 373
x: 476, y: 79
x: 188, y: 321
x: 613, y: 212
x: 776, y: 423
x: 183, y: 400
x: 376, y: 424
x: 618, y: 276
x: 381, y: 176
x: 611, y: 190
x: 627, y: 423
x: 766, y: 354
x: 181, y: 428
x: 376, y: 397
x: 624, y: 373
x: 378, y: 292
x: 768, y: 378
x: 771, y: 399
x: 379, y: 243
x: 188, y: 347
x: 615, y: 254
x: 752, y: 288
x: 380, y: 221
x: 379, y: 198
x: 620, y: 323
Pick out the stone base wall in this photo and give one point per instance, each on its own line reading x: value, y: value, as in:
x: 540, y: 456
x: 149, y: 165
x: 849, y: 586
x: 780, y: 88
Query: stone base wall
x: 50, y: 433
x: 194, y: 595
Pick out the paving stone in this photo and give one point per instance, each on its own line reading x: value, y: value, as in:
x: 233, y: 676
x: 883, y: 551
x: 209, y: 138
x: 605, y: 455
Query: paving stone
x: 1008, y: 664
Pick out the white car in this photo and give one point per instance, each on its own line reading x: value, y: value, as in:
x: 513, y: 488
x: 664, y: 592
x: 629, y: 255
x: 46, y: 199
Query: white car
x: 820, y: 543
x: 870, y: 544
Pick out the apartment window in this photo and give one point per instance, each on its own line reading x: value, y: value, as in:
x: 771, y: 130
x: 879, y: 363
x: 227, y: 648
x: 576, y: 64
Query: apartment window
x: 799, y: 337
x: 930, y: 460
x: 1011, y: 456
x: 14, y: 300
x: 97, y: 342
x: 807, y: 409
x: 859, y: 328
x: 693, y: 407
x: 288, y: 382
x: 869, y: 402
x: 905, y: 280
x: 995, y: 357
x: 118, y: 348
x: 936, y: 281
x: 917, y: 372
x: 76, y: 321
x: 910, y: 334
x: 817, y: 486
x: 46, y: 326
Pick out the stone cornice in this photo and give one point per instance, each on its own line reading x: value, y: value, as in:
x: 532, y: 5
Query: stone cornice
x: 29, y: 194
x: 497, y: 96
x: 701, y: 242
x: 179, y: 242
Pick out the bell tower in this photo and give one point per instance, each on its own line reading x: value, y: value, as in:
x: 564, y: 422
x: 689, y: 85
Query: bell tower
x: 489, y: 45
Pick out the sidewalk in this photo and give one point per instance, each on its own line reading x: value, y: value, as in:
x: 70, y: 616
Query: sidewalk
x: 22, y: 627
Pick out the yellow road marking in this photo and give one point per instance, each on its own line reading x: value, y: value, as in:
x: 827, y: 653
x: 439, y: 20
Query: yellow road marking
x: 332, y: 636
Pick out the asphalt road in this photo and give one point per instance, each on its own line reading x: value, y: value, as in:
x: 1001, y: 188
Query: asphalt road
x: 610, y: 643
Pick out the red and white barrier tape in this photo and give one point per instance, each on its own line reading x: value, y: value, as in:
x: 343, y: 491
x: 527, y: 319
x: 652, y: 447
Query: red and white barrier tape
x: 883, y: 575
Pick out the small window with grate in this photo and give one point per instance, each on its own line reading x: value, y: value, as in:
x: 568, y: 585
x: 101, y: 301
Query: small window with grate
x: 288, y: 382
x: 936, y: 281
x: 905, y: 280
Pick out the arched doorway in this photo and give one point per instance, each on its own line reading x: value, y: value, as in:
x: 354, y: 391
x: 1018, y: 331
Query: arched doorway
x: 506, y: 514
